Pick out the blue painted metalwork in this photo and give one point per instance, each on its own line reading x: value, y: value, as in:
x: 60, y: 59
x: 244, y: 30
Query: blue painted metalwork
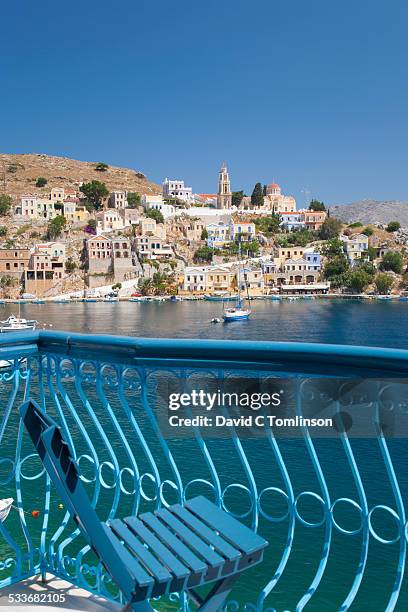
x: 106, y: 394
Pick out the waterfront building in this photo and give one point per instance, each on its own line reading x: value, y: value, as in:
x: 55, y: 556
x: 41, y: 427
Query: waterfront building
x: 313, y: 258
x: 109, y: 260
x: 284, y: 253
x: 46, y: 267
x: 219, y: 234
x: 123, y: 265
x: 224, y: 195
x: 356, y: 247
x: 202, y: 279
x: 251, y: 280
x: 220, y: 278
x: 118, y: 199
x: 13, y: 262
x: 176, y: 189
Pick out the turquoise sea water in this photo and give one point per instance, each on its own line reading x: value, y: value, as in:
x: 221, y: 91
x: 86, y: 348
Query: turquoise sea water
x: 334, y: 321
x: 351, y: 322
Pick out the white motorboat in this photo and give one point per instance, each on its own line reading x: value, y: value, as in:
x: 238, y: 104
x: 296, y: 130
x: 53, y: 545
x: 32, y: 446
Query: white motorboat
x: 15, y: 324
x: 5, y: 507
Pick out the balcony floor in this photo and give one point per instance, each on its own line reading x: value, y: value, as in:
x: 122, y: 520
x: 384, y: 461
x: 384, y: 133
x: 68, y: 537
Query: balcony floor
x: 75, y: 598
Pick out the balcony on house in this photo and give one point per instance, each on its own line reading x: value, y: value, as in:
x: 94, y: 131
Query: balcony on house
x: 332, y: 504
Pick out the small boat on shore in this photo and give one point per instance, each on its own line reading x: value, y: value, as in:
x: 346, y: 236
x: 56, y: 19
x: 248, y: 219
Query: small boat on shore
x: 111, y: 298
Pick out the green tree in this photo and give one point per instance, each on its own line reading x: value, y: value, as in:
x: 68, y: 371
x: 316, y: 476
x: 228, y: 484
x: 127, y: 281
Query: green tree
x: 237, y: 197
x: 393, y: 226
x: 101, y: 167
x: 368, y: 231
x: 95, y: 192
x: 70, y: 265
x: 251, y: 248
x: 3, y: 230
x: 55, y: 227
x: 268, y: 225
x: 257, y: 198
x: 203, y: 254
x: 41, y: 182
x: 368, y: 268
x: 358, y: 280
x: 392, y: 261
x: 356, y: 224
x: 204, y: 234
x: 5, y: 205
x: 383, y: 283
x: 330, y: 229
x: 300, y: 237
x: 336, y: 266
x: 133, y: 199
x: 372, y: 253
x: 152, y: 213
x: 332, y: 248
x: 317, y: 205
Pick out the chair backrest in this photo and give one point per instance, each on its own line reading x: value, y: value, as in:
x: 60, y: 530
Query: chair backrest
x: 57, y: 459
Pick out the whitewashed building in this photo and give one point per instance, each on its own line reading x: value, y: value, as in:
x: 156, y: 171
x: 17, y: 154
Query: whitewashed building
x: 155, y: 202
x: 176, y: 189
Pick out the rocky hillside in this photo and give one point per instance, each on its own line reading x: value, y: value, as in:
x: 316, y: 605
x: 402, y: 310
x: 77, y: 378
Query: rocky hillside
x: 372, y: 211
x: 18, y: 175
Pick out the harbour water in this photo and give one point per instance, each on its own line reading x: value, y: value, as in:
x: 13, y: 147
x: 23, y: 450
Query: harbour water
x: 372, y: 323
x: 343, y: 322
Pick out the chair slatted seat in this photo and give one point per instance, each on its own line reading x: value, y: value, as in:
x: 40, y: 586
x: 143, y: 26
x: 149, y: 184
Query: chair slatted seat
x: 156, y: 553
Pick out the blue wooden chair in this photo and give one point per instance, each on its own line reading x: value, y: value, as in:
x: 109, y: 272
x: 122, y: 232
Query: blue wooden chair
x: 172, y: 549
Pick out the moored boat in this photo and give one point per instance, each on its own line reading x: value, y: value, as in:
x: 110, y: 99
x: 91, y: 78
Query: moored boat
x: 15, y: 324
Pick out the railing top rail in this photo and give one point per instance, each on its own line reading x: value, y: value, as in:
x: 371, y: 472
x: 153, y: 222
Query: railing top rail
x: 317, y: 359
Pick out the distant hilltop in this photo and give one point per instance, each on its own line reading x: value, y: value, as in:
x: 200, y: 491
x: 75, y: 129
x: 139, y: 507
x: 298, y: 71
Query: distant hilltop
x: 372, y: 211
x: 19, y: 174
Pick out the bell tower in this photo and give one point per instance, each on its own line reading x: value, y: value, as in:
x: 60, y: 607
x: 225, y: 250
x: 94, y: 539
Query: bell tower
x: 224, y: 195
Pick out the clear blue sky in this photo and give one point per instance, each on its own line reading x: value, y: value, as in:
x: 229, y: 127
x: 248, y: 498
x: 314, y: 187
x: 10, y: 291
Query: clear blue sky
x: 308, y: 93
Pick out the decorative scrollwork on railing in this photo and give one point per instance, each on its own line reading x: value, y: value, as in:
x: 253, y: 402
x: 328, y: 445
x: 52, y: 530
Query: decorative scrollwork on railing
x: 111, y: 415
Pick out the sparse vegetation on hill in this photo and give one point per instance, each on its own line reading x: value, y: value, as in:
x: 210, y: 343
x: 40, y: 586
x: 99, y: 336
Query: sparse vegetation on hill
x: 22, y: 171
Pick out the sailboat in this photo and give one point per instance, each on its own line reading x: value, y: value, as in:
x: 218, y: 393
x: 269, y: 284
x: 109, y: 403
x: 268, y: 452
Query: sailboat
x: 237, y: 312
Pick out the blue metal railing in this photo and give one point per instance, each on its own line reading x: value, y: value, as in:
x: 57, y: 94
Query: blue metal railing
x: 332, y: 507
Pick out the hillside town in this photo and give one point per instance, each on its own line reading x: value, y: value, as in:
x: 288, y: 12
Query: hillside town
x: 83, y: 239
